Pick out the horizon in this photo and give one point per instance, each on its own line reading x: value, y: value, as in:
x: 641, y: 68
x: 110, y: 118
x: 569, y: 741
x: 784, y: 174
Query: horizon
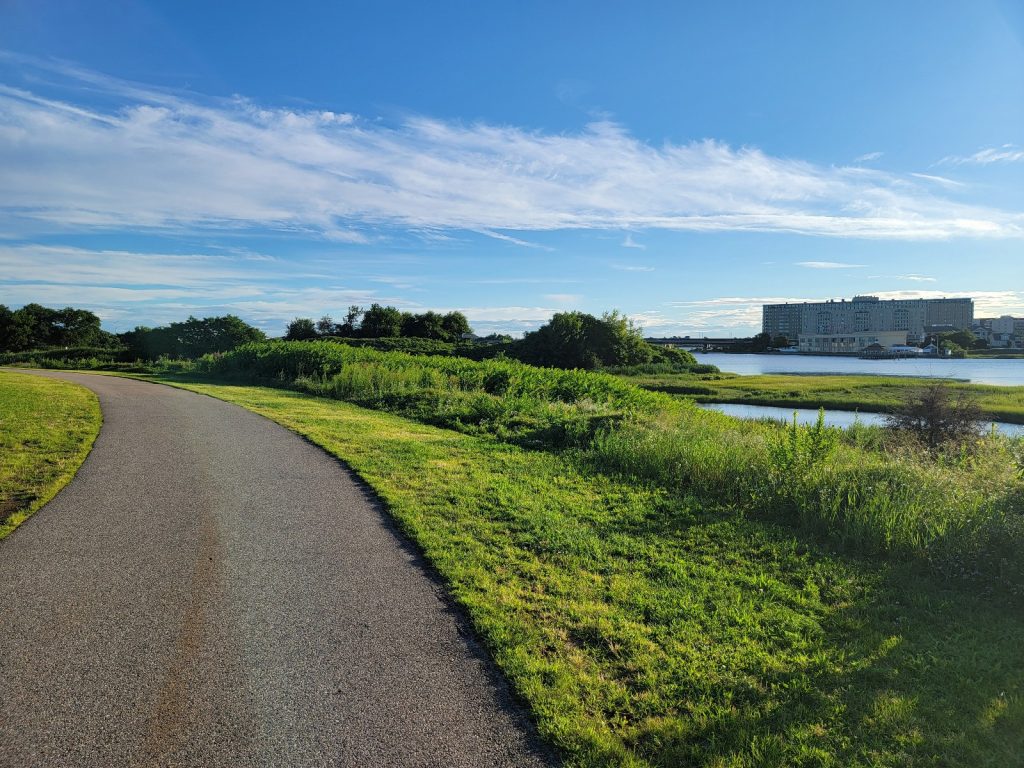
x: 682, y: 165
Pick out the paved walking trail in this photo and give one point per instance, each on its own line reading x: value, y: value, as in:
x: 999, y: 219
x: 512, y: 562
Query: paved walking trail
x: 211, y: 590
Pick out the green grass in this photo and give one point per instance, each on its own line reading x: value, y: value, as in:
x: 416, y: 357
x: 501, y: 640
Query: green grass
x: 962, y: 513
x: 646, y: 627
x: 862, y: 393
x: 47, y: 428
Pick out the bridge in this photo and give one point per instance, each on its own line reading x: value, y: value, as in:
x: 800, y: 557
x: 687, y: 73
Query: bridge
x: 704, y: 343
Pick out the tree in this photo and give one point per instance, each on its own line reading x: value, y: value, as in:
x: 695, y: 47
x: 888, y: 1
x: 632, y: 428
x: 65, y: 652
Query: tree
x: 780, y: 342
x: 424, y: 326
x: 325, y: 326
x: 300, y: 329
x: 350, y: 327
x: 37, y: 327
x: 455, y: 326
x: 579, y: 340
x: 381, y: 322
x: 936, y: 416
x: 6, y: 328
x: 192, y: 338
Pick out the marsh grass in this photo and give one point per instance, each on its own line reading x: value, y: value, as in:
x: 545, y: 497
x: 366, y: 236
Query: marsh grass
x: 882, y: 394
x: 47, y: 428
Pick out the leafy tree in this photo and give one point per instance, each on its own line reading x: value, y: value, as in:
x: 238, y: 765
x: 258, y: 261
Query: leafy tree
x: 191, y: 338
x: 300, y: 329
x: 37, y: 327
x: 779, y: 342
x: 580, y: 340
x: 427, y: 325
x: 350, y: 327
x: 455, y: 325
x: 381, y: 322
x: 325, y: 326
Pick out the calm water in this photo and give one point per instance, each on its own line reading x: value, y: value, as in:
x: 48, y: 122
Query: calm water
x: 1002, y: 372
x: 809, y: 416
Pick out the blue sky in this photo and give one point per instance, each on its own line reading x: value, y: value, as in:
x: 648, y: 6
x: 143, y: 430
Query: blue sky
x: 681, y: 162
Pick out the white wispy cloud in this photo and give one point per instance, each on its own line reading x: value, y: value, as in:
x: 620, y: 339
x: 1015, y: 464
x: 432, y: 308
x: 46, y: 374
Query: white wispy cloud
x: 632, y: 268
x: 867, y: 157
x: 942, y: 180
x: 912, y: 278
x: 629, y: 242
x: 986, y: 303
x: 828, y: 265
x: 1007, y: 153
x: 171, y: 161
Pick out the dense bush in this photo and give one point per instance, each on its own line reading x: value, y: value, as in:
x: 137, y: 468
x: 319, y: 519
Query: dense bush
x: 516, y: 402
x: 68, y: 354
x: 579, y: 340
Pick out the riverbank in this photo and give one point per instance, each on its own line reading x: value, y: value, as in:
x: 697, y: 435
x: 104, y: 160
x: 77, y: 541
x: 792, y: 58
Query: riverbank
x: 872, y: 394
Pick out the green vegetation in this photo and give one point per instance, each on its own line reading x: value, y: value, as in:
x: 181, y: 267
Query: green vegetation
x: 188, y: 339
x: 520, y: 403
x: 958, y: 511
x: 579, y: 340
x: 646, y: 624
x: 379, y: 322
x: 46, y: 430
x: 881, y: 394
x: 34, y: 326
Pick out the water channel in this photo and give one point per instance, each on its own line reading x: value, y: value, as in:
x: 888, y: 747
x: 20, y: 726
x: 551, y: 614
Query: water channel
x: 832, y: 418
x: 978, y: 371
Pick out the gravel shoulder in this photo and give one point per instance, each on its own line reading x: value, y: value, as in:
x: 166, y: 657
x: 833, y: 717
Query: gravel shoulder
x: 213, y: 590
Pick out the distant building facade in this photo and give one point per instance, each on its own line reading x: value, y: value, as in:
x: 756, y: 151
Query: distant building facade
x: 846, y: 327
x: 1005, y: 332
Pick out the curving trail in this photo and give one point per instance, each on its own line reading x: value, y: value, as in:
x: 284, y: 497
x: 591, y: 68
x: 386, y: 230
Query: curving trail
x: 211, y: 590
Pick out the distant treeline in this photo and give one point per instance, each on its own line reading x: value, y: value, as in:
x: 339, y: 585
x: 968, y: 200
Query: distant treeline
x: 75, y: 334
x: 379, y: 322
x: 72, y: 337
x: 37, y: 327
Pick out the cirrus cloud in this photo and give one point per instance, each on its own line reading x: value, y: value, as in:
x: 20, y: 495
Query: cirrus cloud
x: 153, y: 159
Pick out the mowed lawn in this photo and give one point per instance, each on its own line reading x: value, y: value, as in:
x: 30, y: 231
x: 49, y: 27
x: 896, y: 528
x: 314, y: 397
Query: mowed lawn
x: 643, y: 629
x: 47, y: 428
x: 864, y: 393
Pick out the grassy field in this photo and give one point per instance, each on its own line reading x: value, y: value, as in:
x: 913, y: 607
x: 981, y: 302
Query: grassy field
x: 863, y: 393
x: 645, y: 626
x: 46, y: 430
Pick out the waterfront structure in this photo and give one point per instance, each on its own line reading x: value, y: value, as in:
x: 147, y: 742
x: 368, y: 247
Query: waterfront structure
x: 847, y: 327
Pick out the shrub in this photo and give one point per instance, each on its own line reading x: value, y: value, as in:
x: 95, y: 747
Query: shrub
x: 936, y: 416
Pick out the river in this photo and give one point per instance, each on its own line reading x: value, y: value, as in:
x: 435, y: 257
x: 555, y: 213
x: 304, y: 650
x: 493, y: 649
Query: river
x: 999, y: 372
x: 832, y: 418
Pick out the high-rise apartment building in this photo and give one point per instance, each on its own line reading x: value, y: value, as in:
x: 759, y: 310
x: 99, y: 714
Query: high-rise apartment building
x: 841, y: 325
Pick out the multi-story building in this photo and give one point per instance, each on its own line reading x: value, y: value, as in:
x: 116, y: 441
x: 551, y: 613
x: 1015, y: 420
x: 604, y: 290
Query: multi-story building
x: 1001, y: 332
x: 840, y: 326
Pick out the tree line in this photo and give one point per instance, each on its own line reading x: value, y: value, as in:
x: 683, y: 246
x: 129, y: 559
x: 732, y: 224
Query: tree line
x: 37, y: 327
x: 568, y: 340
x: 379, y: 322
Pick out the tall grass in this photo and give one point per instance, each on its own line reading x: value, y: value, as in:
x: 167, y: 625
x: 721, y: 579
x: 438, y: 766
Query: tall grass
x: 537, y: 407
x: 961, y: 512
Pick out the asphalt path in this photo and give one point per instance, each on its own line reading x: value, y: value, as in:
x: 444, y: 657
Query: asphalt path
x: 212, y: 590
